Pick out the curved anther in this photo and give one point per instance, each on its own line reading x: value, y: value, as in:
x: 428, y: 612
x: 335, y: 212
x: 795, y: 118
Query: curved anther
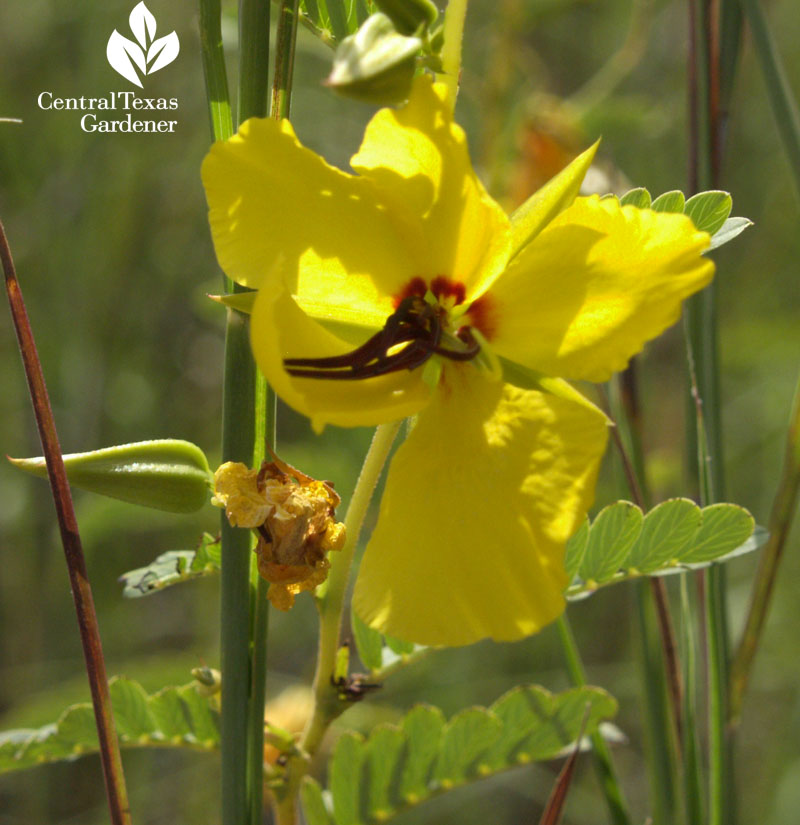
x: 415, y: 324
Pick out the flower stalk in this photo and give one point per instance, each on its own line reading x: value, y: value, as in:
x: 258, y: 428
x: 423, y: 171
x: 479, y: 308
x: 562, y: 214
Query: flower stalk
x: 330, y: 595
x: 110, y: 755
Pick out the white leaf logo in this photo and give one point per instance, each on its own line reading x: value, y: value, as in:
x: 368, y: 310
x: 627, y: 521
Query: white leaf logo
x: 162, y: 52
x: 148, y: 54
x: 143, y: 24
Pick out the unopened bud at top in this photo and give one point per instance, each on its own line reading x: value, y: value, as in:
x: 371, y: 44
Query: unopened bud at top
x: 376, y: 64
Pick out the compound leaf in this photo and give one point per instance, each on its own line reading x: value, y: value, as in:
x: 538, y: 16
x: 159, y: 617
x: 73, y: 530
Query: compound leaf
x: 398, y: 766
x: 173, y: 717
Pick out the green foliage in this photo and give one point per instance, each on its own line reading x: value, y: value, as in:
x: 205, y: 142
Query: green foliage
x: 609, y: 541
x: 166, y: 474
x: 173, y: 717
x: 398, y: 766
x: 640, y: 198
x: 729, y: 230
x: 375, y: 650
x: 313, y: 803
x: 669, y: 202
x: 675, y: 535
x: 708, y: 210
x: 173, y: 567
x: 369, y: 643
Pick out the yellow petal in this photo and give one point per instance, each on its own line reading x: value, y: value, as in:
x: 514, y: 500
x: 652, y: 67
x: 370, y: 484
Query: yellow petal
x: 275, y: 206
x: 479, y: 503
x: 419, y: 160
x: 593, y: 287
x: 280, y: 329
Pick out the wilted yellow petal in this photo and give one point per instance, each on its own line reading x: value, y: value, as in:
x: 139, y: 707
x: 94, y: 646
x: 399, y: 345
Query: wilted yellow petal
x: 280, y: 329
x: 236, y: 489
x: 277, y: 209
x: 419, y: 160
x: 594, y: 286
x: 479, y: 503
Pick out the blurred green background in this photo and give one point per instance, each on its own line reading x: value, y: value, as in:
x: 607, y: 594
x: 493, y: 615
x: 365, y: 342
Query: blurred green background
x: 114, y: 256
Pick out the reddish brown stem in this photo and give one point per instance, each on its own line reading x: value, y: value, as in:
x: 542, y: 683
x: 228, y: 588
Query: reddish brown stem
x: 71, y: 541
x: 694, y: 126
x: 666, y: 628
x: 670, y: 649
x: 555, y: 804
x: 558, y: 796
x: 714, y: 105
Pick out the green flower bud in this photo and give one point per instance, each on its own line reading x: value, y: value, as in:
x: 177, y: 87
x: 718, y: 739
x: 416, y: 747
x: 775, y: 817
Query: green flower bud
x: 167, y: 474
x: 409, y: 15
x: 376, y: 64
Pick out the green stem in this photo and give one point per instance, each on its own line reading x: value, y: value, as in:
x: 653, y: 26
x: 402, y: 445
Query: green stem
x: 615, y: 799
x: 265, y: 420
x: 691, y: 749
x: 659, y: 742
x: 782, y: 101
x: 219, y: 107
x: 258, y: 690
x: 238, y: 438
x: 284, y: 59
x: 719, y: 754
x: 253, y: 98
x: 253, y: 58
x: 454, y: 17
x: 327, y: 705
x: 242, y: 723
x: 783, y: 512
x: 286, y: 810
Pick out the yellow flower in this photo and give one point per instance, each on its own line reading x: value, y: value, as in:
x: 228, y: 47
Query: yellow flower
x: 413, y: 257
x: 294, y: 517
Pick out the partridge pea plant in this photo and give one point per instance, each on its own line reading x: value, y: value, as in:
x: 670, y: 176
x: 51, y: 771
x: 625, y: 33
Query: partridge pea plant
x: 400, y: 295
x: 408, y: 299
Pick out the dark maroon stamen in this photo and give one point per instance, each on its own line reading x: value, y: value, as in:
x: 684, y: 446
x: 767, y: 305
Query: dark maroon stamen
x: 415, y: 323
